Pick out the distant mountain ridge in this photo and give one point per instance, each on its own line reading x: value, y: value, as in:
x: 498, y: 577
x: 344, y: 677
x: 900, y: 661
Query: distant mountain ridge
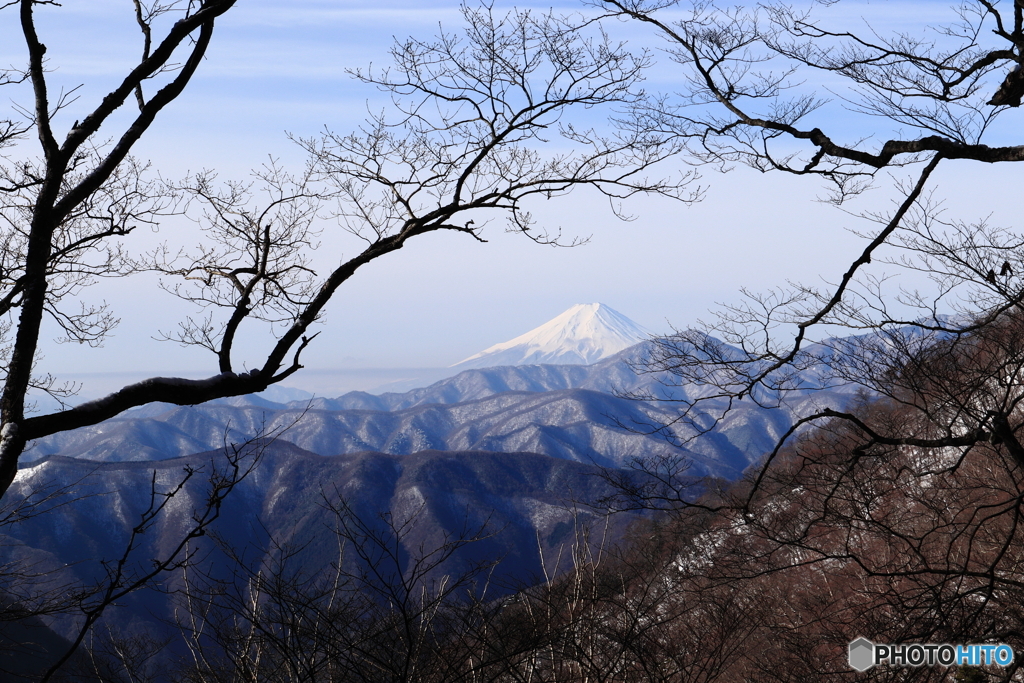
x: 571, y: 424
x: 584, y: 334
x: 610, y: 375
x: 569, y: 412
x: 618, y: 374
x: 573, y: 412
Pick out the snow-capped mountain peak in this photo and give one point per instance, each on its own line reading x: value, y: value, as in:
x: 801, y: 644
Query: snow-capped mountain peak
x: 584, y: 334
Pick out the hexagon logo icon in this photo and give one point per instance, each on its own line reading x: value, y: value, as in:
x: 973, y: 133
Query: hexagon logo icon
x: 862, y: 654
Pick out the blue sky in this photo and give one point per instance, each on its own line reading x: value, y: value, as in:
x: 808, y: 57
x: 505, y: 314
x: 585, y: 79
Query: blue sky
x: 279, y: 67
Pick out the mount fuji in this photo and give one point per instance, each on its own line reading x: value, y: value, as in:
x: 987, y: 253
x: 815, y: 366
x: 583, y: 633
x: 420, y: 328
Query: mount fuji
x: 582, y: 335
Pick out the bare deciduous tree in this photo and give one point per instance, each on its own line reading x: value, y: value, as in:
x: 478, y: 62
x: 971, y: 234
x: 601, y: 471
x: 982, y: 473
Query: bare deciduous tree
x: 64, y: 207
x: 896, y: 513
x: 382, y: 608
x: 756, y: 89
x: 481, y: 121
x: 752, y: 94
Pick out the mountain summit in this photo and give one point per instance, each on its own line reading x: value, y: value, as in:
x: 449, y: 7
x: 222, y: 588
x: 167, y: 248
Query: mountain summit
x: 584, y: 334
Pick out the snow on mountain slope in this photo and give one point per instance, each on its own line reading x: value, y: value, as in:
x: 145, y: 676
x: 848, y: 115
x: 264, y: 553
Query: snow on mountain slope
x: 519, y: 501
x: 584, y: 334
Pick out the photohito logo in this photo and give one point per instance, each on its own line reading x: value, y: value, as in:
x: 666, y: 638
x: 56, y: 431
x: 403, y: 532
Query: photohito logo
x: 864, y: 654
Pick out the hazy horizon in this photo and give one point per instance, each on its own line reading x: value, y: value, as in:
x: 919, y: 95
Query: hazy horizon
x: 272, y: 70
